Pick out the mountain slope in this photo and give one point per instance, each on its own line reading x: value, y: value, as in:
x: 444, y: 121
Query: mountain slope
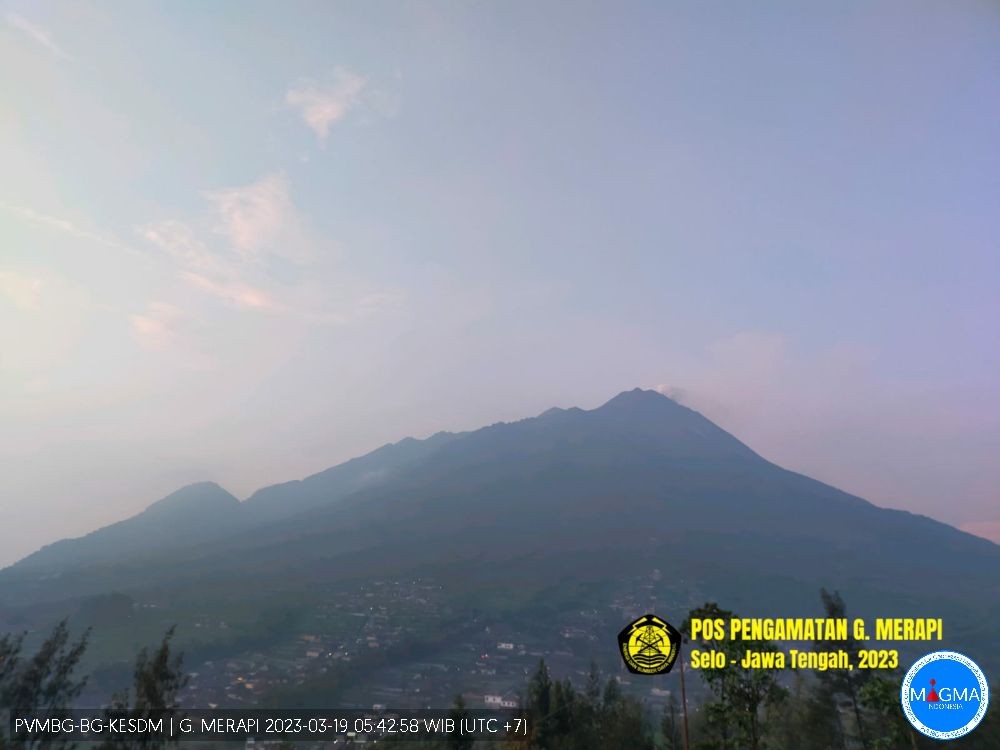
x: 195, y: 513
x: 204, y: 511
x: 290, y: 498
x: 575, y: 496
x: 640, y: 478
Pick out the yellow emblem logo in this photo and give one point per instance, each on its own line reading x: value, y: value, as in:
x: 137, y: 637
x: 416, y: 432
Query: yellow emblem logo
x: 649, y: 645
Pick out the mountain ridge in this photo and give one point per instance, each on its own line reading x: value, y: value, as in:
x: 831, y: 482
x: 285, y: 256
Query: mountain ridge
x: 200, y: 510
x: 644, y: 418
x: 327, y: 485
x: 570, y: 495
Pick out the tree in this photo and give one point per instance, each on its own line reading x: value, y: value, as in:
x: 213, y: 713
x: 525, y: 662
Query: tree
x: 459, y: 713
x: 834, y: 684
x: 880, y: 695
x: 561, y: 718
x: 987, y: 735
x: 540, y: 705
x: 612, y: 694
x: 44, y: 684
x: 734, y: 717
x: 669, y: 726
x: 801, y: 721
x: 593, y: 689
x: 622, y: 724
x: 157, y: 681
x: 158, y: 677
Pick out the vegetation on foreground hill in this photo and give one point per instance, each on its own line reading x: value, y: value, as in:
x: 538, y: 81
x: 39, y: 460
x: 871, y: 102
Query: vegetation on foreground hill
x: 46, y: 683
x: 747, y: 709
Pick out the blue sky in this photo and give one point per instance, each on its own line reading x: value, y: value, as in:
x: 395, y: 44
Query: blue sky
x: 244, y: 241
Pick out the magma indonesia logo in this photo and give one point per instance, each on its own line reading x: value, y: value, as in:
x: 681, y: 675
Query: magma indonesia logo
x: 649, y: 645
x: 945, y: 695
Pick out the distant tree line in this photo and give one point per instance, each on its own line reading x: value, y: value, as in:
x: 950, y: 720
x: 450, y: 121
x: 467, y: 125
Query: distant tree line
x: 746, y: 709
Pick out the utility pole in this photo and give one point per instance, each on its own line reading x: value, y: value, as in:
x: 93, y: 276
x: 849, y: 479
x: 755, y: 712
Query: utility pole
x: 684, y: 707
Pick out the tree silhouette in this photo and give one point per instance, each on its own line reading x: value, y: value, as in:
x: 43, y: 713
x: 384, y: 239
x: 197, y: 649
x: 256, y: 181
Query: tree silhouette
x: 157, y: 680
x: 734, y: 717
x: 44, y: 683
x: 459, y: 713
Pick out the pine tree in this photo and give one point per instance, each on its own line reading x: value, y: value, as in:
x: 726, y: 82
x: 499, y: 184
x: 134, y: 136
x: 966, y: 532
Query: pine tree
x: 890, y: 730
x: 540, y: 705
x: 157, y: 680
x: 669, y: 725
x: 735, y: 717
x: 836, y: 684
x: 458, y: 714
x: 45, y: 683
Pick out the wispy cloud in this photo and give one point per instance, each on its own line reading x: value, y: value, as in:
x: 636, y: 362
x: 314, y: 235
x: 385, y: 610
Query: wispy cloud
x: 259, y: 219
x: 37, y: 34
x: 214, y: 273
x: 155, y: 327
x: 65, y: 226
x: 181, y: 243
x: 255, y: 223
x: 321, y: 105
x: 172, y: 332
x: 235, y: 292
x: 228, y: 253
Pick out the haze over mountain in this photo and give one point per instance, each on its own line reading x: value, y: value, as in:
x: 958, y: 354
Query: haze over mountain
x: 197, y: 512
x: 547, y: 514
x: 584, y: 494
x: 337, y: 229
x: 642, y: 422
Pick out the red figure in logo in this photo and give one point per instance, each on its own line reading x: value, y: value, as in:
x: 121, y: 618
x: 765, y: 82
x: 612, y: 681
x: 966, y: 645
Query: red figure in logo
x: 933, y: 697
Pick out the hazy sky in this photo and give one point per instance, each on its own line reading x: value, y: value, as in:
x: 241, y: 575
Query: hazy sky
x: 245, y: 241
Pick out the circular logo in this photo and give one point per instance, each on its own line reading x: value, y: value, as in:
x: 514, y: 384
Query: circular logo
x: 649, y: 645
x: 945, y: 695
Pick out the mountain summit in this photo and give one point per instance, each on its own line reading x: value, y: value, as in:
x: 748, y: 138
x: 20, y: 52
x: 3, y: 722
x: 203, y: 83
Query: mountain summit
x: 202, y: 498
x: 571, y: 496
x: 651, y: 415
x: 639, y: 398
x: 194, y: 513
